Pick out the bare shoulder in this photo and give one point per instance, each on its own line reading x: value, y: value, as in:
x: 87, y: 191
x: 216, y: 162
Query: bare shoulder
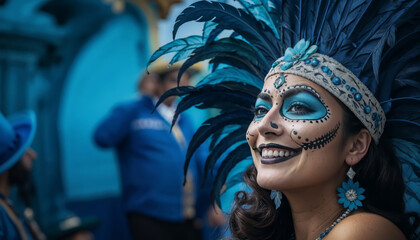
x: 366, y: 226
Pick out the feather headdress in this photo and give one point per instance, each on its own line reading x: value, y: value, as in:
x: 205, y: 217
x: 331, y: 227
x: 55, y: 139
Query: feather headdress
x: 377, y: 40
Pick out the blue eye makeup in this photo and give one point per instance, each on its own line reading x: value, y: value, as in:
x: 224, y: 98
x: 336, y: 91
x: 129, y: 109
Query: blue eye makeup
x: 302, y: 104
x: 261, y: 109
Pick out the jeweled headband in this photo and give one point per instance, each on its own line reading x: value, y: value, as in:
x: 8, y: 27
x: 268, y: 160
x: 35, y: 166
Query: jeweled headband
x: 303, y: 61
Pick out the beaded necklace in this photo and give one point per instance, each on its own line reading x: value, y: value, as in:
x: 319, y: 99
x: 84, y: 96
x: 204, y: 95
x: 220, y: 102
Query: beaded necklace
x: 328, y: 230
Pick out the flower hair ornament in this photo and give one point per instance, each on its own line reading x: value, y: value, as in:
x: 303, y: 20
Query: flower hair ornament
x: 363, y: 52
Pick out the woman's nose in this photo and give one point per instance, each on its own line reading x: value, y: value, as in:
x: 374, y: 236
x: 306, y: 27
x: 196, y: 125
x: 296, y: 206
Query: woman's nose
x: 270, y: 125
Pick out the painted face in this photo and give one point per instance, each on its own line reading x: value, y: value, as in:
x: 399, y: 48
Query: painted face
x: 296, y: 135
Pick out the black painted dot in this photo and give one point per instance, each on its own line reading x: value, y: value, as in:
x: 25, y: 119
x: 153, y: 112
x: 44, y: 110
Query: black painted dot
x: 307, y: 140
x: 304, y: 120
x: 299, y: 137
x: 316, y: 121
x: 294, y: 132
x: 310, y: 121
x: 277, y: 103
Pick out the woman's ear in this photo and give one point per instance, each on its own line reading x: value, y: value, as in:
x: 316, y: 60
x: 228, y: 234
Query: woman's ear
x: 359, y: 147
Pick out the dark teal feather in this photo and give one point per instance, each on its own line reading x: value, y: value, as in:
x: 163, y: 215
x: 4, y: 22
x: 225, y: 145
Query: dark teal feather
x: 209, y: 127
x: 234, y: 157
x: 223, y: 145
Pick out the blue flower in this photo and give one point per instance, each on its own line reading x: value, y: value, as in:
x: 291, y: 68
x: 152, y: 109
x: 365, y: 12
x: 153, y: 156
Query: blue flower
x: 299, y: 52
x: 351, y: 195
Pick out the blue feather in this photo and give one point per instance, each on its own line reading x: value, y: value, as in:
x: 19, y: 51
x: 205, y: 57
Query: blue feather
x: 227, y: 48
x: 234, y: 157
x: 228, y: 141
x: 232, y: 74
x: 229, y: 17
x: 261, y: 11
x: 208, y: 128
x: 183, y: 48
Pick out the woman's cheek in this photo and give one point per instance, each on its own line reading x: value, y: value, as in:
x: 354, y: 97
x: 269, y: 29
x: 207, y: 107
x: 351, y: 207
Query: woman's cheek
x: 251, y: 134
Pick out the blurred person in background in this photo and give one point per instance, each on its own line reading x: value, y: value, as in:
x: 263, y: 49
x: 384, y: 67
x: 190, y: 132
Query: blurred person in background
x: 151, y: 159
x: 16, y: 160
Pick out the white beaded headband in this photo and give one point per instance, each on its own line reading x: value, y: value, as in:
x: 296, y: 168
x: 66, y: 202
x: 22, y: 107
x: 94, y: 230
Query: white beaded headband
x: 336, y: 79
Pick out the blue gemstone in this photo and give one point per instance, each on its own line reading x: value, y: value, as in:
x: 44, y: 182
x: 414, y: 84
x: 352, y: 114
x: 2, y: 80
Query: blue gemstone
x: 324, y: 69
x: 353, y: 90
x: 376, y: 124
x: 347, y: 87
x: 343, y: 81
x: 308, y: 61
x: 367, y: 109
x: 374, y: 116
x: 379, y: 117
x: 323, y: 235
x: 358, y: 96
x: 336, y: 80
x: 315, y: 62
x: 329, y: 72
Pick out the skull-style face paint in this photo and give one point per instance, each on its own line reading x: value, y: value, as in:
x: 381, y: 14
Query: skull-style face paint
x: 296, y: 134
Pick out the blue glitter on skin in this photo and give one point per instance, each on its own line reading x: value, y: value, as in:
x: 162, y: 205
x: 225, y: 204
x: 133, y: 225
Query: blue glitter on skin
x: 261, y: 105
x: 303, y: 105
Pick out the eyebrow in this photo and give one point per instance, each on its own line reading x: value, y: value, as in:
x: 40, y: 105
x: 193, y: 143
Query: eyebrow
x: 264, y: 96
x: 302, y: 88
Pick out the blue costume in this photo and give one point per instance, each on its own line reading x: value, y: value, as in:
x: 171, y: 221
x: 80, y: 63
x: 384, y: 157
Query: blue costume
x: 151, y: 159
x: 8, y: 229
x: 16, y: 135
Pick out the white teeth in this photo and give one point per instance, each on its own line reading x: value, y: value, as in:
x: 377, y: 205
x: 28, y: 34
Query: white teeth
x: 264, y: 153
x: 286, y: 154
x: 281, y: 153
x: 270, y: 154
x: 275, y: 153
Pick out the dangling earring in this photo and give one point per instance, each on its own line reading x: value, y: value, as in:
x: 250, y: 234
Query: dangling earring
x: 350, y: 195
x: 276, y: 196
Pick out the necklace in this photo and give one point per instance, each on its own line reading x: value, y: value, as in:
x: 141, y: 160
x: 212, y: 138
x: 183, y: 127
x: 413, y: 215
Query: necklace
x: 328, y: 230
x: 344, y: 215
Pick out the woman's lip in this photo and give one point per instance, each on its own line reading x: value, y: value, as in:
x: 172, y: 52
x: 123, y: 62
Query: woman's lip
x: 275, y: 160
x: 274, y: 145
x: 272, y: 160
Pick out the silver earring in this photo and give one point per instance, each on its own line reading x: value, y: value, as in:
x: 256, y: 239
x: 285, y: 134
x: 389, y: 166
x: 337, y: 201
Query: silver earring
x: 276, y: 196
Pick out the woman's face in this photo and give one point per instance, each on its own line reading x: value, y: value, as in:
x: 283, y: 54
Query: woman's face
x: 296, y: 137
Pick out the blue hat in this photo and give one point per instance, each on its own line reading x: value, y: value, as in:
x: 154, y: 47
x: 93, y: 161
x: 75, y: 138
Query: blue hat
x: 16, y: 134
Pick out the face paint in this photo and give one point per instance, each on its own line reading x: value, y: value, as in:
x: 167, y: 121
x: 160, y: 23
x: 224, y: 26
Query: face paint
x: 320, y: 141
x: 302, y: 102
x: 262, y: 106
x: 279, y: 81
x: 306, y: 148
x: 273, y: 125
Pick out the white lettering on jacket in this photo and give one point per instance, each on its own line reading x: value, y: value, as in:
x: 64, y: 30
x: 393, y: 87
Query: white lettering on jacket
x: 149, y: 123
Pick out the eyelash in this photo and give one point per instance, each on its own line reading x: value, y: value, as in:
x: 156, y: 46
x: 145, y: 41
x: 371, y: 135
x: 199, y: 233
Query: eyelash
x: 299, y: 104
x: 257, y: 109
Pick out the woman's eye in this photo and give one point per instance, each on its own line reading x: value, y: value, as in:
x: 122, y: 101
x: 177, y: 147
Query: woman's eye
x: 299, y: 109
x: 260, y: 112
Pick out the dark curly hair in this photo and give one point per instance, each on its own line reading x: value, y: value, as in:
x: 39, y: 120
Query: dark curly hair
x: 254, y: 215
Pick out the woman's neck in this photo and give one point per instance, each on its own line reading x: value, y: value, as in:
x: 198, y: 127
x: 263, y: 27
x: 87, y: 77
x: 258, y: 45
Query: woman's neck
x: 313, y: 210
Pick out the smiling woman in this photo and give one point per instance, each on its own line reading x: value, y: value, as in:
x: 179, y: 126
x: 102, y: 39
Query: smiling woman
x: 335, y: 128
